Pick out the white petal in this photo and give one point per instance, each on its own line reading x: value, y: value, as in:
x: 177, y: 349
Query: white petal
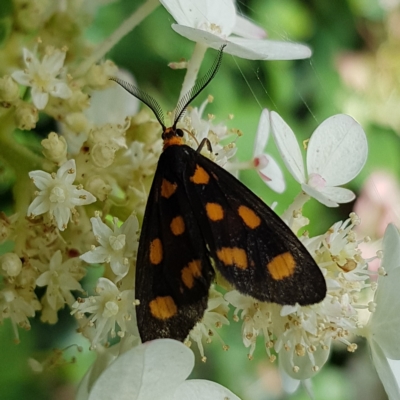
x: 130, y: 228
x: 62, y: 216
x: 41, y: 179
x: 101, y: 231
x: 203, y: 13
x: 150, y: 371
x: 98, y: 255
x: 107, y: 286
x: 262, y: 134
x: 82, y: 197
x: 337, y: 150
x: 288, y: 147
x: 22, y: 78
x: 198, y: 389
x: 384, y: 371
x: 39, y: 98
x: 43, y: 279
x: 338, y: 194
x: 200, y: 36
x: 118, y: 267
x: 246, y: 29
x: 319, y: 196
x: 54, y: 62
x: 64, y: 174
x: 268, y: 49
x: 303, y: 362
x: 384, y: 323
x: 39, y: 206
x: 289, y: 384
x: 274, y: 173
x: 60, y: 89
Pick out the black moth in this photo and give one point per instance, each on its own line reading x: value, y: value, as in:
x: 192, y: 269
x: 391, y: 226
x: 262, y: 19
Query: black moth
x: 200, y: 218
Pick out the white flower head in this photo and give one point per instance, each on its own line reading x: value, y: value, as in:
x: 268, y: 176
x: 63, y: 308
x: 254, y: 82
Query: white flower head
x: 117, y: 244
x: 108, y: 308
x: 213, y: 22
x: 302, y: 335
x: 42, y: 76
x: 155, y: 370
x: 57, y: 195
x: 336, y: 153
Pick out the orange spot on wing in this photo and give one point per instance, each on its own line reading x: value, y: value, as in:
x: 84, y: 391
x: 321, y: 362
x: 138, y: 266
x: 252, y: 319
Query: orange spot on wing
x: 200, y: 176
x: 190, y: 272
x: 167, y: 188
x: 233, y: 256
x: 282, y: 266
x: 177, y: 225
x: 156, y: 251
x: 214, y: 211
x: 249, y: 217
x: 163, y: 307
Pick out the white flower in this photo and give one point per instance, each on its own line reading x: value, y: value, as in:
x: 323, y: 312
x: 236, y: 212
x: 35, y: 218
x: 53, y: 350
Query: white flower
x: 117, y: 245
x: 336, y: 153
x: 382, y: 330
x: 214, y: 317
x: 267, y: 167
x: 108, y: 308
x: 156, y: 370
x: 302, y: 336
x: 57, y: 194
x: 42, y: 76
x: 212, y: 23
x: 60, y: 278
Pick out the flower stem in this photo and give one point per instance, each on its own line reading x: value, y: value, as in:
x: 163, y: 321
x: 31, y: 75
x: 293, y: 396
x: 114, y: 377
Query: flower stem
x: 193, y: 67
x: 129, y: 24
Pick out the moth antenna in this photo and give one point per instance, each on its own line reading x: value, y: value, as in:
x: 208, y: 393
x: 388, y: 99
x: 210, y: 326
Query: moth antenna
x: 198, y: 87
x: 144, y: 97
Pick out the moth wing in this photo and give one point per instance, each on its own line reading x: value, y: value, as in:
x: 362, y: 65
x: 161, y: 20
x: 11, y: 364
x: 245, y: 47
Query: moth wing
x: 251, y: 246
x: 173, y: 271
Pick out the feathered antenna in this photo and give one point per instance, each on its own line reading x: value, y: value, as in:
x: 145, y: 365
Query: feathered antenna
x: 183, y: 102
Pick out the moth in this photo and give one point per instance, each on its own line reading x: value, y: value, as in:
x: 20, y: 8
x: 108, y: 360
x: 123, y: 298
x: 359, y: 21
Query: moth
x: 198, y: 219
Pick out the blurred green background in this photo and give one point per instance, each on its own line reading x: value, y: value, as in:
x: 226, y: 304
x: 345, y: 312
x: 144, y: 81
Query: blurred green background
x: 355, y: 53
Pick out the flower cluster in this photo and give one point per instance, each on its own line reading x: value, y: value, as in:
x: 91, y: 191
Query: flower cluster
x: 79, y: 206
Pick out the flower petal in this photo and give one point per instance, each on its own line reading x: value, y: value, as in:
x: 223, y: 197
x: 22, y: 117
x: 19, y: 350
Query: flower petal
x: 60, y: 89
x: 202, y: 14
x: 201, y: 36
x: 22, y: 78
x: 64, y: 174
x: 276, y: 179
x: 288, y: 147
x: 41, y: 179
x: 150, y: 371
x: 246, y: 29
x: 39, y: 205
x: 262, y: 134
x: 337, y: 150
x: 384, y: 371
x: 39, y: 98
x: 384, y: 323
x: 101, y: 231
x: 98, y: 255
x: 199, y: 389
x: 319, y: 196
x: 338, y: 194
x: 267, y: 49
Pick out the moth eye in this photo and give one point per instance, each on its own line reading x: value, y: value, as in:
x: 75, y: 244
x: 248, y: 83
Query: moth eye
x: 179, y: 132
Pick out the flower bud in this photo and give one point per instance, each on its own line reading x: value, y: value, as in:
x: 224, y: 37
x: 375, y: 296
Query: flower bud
x: 26, y: 116
x: 98, y: 187
x: 55, y: 148
x: 9, y: 89
x: 11, y: 264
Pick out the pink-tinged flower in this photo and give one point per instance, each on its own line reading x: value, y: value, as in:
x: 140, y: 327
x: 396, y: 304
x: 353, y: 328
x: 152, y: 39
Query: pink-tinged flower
x: 266, y: 166
x: 155, y: 370
x: 43, y: 76
x: 336, y: 153
x: 215, y: 23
